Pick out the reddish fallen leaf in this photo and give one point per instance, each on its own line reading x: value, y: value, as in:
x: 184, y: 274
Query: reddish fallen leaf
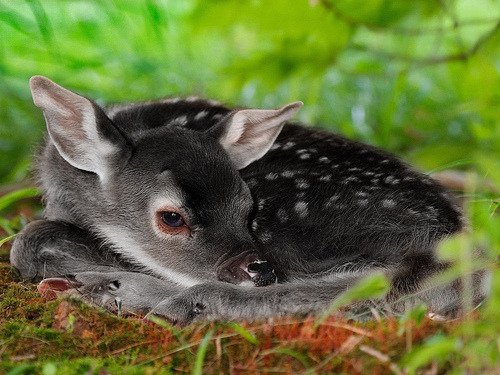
x: 51, y: 288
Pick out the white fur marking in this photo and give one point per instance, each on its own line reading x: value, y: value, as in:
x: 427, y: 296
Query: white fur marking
x: 120, y: 239
x: 271, y: 176
x: 301, y: 209
x: 388, y: 203
x: 200, y: 115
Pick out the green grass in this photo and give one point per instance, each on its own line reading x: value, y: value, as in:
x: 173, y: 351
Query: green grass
x: 417, y: 78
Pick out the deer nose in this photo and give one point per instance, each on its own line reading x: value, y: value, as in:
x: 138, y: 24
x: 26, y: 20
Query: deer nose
x: 246, y: 267
x: 234, y: 269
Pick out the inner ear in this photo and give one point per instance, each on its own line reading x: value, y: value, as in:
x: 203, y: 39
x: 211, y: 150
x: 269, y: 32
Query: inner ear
x: 84, y: 136
x: 249, y: 133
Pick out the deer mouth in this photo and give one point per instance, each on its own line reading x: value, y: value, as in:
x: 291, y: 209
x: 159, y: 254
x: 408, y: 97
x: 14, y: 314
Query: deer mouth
x: 246, y: 267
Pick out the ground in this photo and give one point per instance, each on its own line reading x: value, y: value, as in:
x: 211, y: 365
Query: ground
x: 66, y: 336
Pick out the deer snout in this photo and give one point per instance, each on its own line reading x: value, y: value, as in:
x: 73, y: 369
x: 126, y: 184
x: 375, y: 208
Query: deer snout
x: 246, y: 267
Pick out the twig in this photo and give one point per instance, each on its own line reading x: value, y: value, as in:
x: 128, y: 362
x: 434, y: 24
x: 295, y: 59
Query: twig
x: 131, y: 346
x: 351, y: 21
x: 184, y: 347
x: 348, y: 327
x: 384, y: 358
x: 431, y: 60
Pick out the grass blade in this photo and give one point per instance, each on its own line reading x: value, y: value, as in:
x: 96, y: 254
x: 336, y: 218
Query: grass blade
x: 17, y: 195
x: 200, y: 355
x: 243, y: 332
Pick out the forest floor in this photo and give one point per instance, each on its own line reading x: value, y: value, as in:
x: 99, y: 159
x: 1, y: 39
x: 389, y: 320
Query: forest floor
x: 67, y: 336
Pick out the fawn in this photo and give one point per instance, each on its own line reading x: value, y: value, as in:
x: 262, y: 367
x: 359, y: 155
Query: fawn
x: 181, y: 207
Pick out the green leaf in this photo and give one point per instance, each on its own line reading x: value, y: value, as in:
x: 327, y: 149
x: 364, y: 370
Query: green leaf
x: 437, y: 348
x: 372, y: 286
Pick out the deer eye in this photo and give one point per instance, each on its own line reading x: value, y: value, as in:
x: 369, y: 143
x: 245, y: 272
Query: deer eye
x: 172, y: 219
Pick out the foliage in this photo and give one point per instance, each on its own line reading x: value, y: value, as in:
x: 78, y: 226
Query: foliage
x: 419, y: 78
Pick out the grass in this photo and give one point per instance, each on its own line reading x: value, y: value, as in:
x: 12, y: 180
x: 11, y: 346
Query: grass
x: 66, y: 336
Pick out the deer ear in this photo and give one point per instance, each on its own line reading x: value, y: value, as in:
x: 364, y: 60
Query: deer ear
x: 249, y: 133
x: 84, y: 136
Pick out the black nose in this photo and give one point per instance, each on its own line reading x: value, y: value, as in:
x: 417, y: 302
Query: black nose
x: 263, y: 273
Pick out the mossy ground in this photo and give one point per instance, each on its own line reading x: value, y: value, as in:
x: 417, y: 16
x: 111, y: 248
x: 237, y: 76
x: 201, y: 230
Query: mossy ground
x: 66, y: 336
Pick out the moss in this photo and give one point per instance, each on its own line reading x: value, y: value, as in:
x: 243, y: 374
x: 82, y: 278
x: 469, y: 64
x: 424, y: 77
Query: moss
x: 67, y: 336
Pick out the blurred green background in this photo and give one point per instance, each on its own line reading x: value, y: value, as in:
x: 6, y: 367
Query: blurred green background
x: 420, y: 78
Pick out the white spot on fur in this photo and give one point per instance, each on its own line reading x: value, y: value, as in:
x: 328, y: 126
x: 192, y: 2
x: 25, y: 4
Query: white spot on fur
x: 265, y: 236
x: 254, y: 225
x: 350, y: 179
x: 391, y: 180
x: 179, y: 121
x: 288, y: 174
x: 261, y: 203
x: 330, y: 201
x: 288, y: 145
x: 354, y: 169
x: 325, y: 178
x: 301, y: 151
x: 324, y: 160
x: 271, y: 176
x: 300, y: 183
x: 217, y: 117
x: 304, y: 156
x: 362, y: 202
x: 361, y: 194
x: 388, y: 203
x: 214, y: 102
x: 385, y: 161
x: 201, y: 115
x: 121, y: 240
x: 275, y: 146
x: 301, y: 208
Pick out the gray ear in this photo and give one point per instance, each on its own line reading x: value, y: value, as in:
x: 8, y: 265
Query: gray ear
x: 249, y: 133
x: 79, y: 129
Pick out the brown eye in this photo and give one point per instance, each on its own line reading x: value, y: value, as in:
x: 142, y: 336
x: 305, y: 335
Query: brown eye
x: 171, y: 222
x: 172, y: 219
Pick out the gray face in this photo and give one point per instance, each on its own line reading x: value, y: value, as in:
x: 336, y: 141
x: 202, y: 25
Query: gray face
x: 157, y: 181
x: 180, y: 206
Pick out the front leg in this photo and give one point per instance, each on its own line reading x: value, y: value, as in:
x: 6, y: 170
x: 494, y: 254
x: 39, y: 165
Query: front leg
x: 47, y: 248
x: 222, y: 301
x: 128, y: 292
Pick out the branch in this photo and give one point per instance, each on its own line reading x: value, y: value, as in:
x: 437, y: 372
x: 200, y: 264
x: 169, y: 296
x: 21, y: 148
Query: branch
x: 432, y: 60
x: 354, y: 22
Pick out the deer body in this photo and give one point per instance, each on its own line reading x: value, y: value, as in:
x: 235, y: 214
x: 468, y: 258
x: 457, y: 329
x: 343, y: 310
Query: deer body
x: 176, y: 206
